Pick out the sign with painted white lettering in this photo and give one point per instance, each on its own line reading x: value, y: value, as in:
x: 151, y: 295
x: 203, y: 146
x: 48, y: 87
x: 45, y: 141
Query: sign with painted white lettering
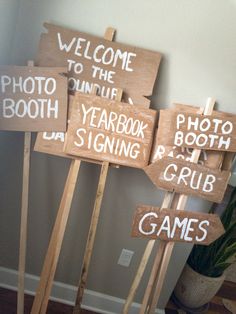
x: 94, y: 61
x: 175, y: 225
x: 181, y: 176
x: 197, y: 131
x: 211, y: 159
x: 109, y: 130
x: 52, y: 142
x: 33, y: 98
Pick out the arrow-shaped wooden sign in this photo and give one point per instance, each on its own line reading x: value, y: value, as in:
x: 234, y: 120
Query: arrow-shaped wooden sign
x: 179, y: 226
x: 181, y: 176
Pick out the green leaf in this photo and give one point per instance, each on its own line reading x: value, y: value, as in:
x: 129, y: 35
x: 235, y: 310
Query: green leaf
x: 228, y: 252
x: 218, y: 270
x: 227, y: 215
x: 212, y: 260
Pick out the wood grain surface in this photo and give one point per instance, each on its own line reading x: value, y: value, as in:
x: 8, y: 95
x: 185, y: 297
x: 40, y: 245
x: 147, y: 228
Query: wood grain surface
x: 209, y: 158
x: 175, y: 225
x: 33, y: 98
x: 197, y: 131
x: 187, y: 178
x: 94, y: 60
x: 109, y: 130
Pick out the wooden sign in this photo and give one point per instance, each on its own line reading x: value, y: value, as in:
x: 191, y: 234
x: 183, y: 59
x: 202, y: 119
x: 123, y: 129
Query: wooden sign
x: 185, y: 177
x: 33, y: 98
x: 197, y: 131
x: 52, y: 142
x: 176, y: 225
x: 211, y: 159
x: 95, y: 61
x: 109, y: 130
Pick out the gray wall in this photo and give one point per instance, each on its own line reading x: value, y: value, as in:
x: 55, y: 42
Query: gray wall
x: 198, y: 42
x: 8, y: 16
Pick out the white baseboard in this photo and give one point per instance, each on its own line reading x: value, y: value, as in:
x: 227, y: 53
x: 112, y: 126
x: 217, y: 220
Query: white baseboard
x: 94, y: 301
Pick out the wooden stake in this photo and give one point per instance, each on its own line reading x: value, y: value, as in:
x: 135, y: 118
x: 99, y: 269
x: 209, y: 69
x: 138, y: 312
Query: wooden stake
x: 92, y: 229
x: 152, y: 279
x: 91, y: 237
x: 50, y: 263
x: 138, y: 276
x: 109, y: 35
x: 170, y: 245
x: 142, y: 266
x: 157, y: 263
x: 23, y: 226
x: 23, y: 223
x: 161, y: 275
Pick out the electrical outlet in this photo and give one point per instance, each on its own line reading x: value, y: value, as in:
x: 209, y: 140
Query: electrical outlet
x: 125, y: 257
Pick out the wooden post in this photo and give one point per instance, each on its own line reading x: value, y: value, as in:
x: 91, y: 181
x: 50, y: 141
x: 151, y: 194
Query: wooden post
x: 50, y: 263
x: 53, y: 252
x: 51, y: 260
x: 91, y: 237
x: 170, y: 245
x: 23, y: 223
x: 109, y: 35
x: 156, y: 266
x: 152, y: 279
x: 142, y: 266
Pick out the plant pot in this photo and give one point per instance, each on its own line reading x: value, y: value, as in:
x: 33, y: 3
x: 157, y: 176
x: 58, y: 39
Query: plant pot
x: 194, y: 290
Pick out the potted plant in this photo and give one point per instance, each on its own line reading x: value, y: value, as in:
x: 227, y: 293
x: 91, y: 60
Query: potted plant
x: 203, y: 274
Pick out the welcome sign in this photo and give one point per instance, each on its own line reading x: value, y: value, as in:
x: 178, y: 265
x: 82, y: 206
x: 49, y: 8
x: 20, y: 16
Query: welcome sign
x: 108, y: 130
x: 94, y: 61
x: 33, y: 98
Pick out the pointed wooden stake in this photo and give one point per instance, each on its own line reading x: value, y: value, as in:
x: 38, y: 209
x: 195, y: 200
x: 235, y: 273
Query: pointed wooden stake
x: 23, y: 226
x: 91, y: 236
x: 109, y: 35
x: 23, y: 223
x: 50, y: 262
x: 142, y: 266
x: 156, y: 266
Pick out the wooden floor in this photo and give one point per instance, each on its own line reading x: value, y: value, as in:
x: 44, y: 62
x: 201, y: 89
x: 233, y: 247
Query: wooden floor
x: 8, y: 302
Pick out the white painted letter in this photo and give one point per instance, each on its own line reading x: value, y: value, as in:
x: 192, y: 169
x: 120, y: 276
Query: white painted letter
x: 153, y: 225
